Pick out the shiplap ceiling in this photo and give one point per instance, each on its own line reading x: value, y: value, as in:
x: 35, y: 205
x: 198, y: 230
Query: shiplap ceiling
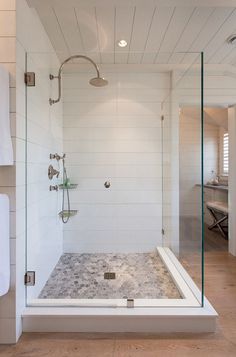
x: 155, y: 34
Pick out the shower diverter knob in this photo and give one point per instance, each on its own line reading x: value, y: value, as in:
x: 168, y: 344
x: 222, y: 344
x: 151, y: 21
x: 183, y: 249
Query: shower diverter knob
x: 107, y: 184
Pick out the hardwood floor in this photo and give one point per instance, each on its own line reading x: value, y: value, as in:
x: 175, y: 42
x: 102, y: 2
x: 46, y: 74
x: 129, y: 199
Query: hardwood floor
x: 221, y: 291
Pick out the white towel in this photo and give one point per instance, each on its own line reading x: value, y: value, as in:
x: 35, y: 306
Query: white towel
x: 6, y: 151
x: 4, y: 245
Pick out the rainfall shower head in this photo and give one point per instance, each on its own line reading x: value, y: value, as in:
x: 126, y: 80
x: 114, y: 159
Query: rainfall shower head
x: 97, y: 81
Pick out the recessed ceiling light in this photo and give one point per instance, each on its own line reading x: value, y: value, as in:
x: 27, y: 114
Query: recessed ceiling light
x: 122, y: 43
x: 232, y: 39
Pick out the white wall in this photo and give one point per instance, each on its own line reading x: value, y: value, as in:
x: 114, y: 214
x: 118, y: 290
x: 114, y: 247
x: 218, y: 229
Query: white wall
x: 44, y: 136
x: 170, y: 183
x: 8, y: 174
x: 219, y: 89
x: 190, y: 162
x: 114, y: 133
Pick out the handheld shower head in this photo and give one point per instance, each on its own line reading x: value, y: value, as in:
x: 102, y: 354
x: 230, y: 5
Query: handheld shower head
x: 98, y: 82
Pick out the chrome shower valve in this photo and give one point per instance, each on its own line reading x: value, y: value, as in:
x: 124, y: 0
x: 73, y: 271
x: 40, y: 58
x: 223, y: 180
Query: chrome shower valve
x: 53, y: 188
x: 57, y: 157
x: 52, y: 172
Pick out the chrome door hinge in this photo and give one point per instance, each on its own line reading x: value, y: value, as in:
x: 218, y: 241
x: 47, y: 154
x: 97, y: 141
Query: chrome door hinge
x: 29, y: 278
x: 30, y: 79
x: 162, y: 117
x: 163, y: 231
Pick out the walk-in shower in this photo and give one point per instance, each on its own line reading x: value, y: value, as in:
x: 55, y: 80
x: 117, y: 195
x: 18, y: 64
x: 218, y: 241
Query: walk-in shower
x: 96, y: 81
x: 125, y: 241
x: 129, y: 190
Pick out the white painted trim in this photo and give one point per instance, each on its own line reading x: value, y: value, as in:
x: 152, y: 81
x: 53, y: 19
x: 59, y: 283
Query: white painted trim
x: 185, y: 276
x: 119, y: 323
x: 181, y: 280
x: 208, y: 310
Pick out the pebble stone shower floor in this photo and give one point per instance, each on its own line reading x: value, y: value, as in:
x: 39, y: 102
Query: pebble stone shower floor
x: 138, y: 276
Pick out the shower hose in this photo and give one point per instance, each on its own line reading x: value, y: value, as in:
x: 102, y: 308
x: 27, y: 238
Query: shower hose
x: 65, y: 214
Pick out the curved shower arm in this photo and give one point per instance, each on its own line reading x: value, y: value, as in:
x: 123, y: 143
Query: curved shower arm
x: 51, y: 76
x: 79, y: 56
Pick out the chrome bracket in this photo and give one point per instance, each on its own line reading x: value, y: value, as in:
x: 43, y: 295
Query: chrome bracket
x: 30, y: 79
x: 53, y: 188
x: 51, y: 77
x: 29, y: 278
x: 57, y: 157
x: 130, y: 303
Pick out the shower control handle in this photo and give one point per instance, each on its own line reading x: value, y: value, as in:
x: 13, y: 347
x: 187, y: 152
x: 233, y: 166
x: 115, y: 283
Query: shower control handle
x: 52, y: 172
x: 57, y: 157
x: 107, y: 184
x: 53, y: 188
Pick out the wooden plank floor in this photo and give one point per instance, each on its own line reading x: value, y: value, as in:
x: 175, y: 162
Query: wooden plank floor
x: 220, y: 290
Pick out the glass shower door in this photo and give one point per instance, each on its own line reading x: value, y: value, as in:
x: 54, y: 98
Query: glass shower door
x: 183, y: 225
x: 44, y: 136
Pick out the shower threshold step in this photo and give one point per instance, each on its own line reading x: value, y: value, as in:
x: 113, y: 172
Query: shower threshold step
x: 180, y: 315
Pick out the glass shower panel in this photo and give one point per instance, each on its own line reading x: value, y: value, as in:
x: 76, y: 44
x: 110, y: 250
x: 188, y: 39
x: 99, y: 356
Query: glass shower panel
x: 44, y: 136
x: 182, y: 128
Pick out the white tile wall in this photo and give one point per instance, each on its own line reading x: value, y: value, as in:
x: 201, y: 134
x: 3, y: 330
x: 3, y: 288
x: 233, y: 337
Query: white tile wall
x: 114, y: 133
x: 8, y: 174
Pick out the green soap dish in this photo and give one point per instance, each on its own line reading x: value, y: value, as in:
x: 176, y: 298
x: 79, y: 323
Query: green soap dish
x: 70, y: 187
x: 67, y: 213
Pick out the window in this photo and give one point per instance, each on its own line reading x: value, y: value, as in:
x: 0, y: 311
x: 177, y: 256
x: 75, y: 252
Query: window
x: 225, y: 154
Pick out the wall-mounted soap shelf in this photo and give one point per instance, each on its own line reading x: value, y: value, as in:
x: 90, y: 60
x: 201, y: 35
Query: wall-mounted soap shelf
x: 67, y: 213
x: 72, y: 186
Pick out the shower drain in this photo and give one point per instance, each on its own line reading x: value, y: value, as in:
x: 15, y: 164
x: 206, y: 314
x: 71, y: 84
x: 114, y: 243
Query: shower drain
x: 109, y: 275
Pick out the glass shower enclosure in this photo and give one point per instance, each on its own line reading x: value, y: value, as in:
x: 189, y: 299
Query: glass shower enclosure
x: 134, y: 232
